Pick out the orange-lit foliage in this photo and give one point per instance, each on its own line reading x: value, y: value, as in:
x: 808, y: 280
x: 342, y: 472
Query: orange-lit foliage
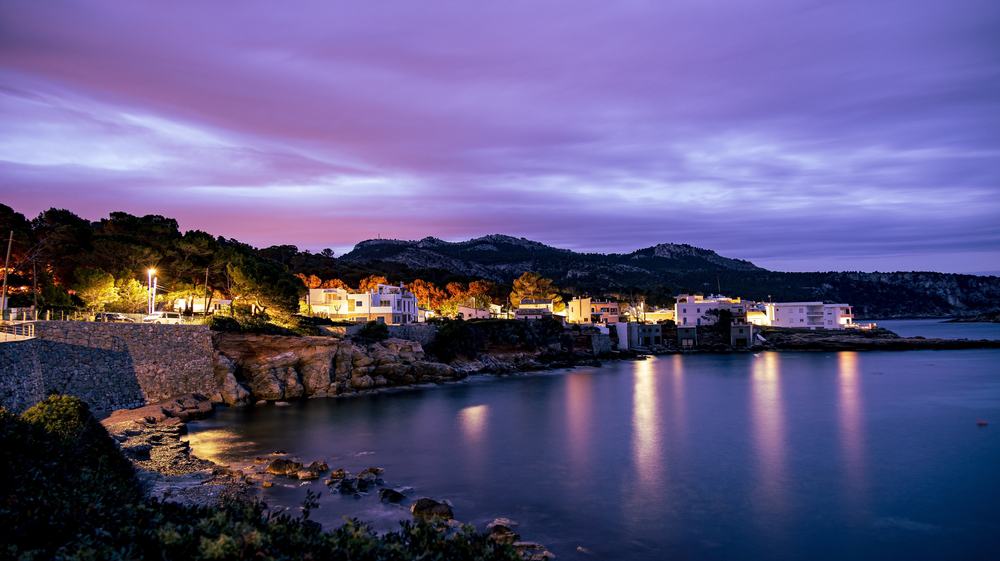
x: 335, y: 283
x: 428, y: 295
x: 371, y: 283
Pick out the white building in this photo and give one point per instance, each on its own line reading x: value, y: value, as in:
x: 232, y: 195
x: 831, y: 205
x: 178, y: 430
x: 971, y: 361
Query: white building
x: 468, y: 312
x: 385, y: 304
x: 809, y: 315
x: 693, y: 310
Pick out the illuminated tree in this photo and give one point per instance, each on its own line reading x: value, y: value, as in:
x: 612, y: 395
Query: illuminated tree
x: 428, y: 295
x: 371, y: 283
x: 335, y: 283
x: 533, y: 286
x: 133, y: 296
x: 95, y: 287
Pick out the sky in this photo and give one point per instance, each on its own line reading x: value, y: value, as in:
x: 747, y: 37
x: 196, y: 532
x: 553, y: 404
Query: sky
x: 799, y: 135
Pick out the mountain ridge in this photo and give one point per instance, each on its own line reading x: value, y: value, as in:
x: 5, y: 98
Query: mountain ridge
x: 669, y: 269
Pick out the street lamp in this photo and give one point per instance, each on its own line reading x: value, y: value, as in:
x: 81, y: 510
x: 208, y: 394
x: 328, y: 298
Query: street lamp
x: 149, y: 288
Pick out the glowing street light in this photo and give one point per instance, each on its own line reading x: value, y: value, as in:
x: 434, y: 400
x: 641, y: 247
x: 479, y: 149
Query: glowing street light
x: 151, y: 290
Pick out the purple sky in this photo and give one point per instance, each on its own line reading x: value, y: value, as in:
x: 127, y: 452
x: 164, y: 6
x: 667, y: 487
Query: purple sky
x: 848, y: 135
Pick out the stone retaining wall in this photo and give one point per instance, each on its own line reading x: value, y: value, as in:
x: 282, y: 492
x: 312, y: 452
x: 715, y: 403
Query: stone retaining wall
x: 108, y: 365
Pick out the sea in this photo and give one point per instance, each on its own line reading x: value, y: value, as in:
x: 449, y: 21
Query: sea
x: 769, y: 455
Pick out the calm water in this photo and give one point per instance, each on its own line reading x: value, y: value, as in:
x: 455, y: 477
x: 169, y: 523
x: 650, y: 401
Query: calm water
x: 940, y: 329
x: 774, y: 456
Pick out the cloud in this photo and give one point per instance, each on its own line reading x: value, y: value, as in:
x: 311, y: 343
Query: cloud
x: 799, y: 134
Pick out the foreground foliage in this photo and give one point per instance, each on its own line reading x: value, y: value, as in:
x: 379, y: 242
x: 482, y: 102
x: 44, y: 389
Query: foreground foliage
x: 67, y: 493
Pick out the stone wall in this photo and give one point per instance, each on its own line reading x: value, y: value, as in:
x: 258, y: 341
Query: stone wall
x: 422, y: 334
x: 108, y: 365
x: 21, y: 384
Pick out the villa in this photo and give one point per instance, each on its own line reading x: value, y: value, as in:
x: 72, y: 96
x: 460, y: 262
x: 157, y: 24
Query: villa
x: 385, y: 304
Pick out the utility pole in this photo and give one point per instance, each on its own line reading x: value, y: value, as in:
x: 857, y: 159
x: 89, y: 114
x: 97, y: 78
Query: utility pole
x: 6, y: 271
x: 205, y: 308
x: 34, y: 280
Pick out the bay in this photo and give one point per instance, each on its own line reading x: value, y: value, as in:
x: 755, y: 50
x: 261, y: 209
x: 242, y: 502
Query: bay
x: 715, y: 456
x: 941, y: 328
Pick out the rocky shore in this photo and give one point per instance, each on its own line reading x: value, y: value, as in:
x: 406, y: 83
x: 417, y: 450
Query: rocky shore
x: 150, y: 437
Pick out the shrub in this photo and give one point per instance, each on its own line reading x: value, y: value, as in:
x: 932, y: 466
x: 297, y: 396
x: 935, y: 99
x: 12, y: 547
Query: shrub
x: 373, y: 331
x: 455, y: 337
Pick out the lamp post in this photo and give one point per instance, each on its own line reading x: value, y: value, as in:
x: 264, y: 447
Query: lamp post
x: 150, y: 290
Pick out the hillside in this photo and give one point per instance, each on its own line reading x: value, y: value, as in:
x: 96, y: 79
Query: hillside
x: 675, y: 268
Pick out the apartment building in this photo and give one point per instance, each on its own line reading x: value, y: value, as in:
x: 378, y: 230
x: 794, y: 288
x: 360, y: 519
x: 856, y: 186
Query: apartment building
x: 809, y: 315
x: 592, y: 310
x: 386, y: 304
x: 693, y: 309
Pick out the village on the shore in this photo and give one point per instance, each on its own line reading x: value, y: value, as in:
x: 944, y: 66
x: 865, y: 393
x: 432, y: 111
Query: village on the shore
x: 630, y: 324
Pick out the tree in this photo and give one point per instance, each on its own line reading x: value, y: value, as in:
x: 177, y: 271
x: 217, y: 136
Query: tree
x: 335, y: 283
x: 428, y: 295
x: 311, y: 281
x: 371, y: 283
x: 95, y: 287
x: 264, y: 283
x: 533, y: 286
x: 133, y: 296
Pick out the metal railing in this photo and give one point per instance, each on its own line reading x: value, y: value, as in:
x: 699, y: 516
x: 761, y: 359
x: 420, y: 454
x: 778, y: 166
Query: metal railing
x: 16, y: 332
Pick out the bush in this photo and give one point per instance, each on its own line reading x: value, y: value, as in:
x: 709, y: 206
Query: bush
x: 455, y: 337
x: 68, y: 493
x: 373, y: 331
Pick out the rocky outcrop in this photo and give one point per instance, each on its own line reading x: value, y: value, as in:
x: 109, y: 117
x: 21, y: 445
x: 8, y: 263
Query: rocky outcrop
x: 249, y: 368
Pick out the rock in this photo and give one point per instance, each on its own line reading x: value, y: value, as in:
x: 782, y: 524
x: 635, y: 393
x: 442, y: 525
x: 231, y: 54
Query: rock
x: 429, y: 508
x: 283, y: 467
x: 308, y: 473
x: 339, y: 474
x: 390, y: 495
x: 347, y: 486
x: 503, y: 534
x: 319, y: 466
x: 259, y: 460
x: 266, y: 483
x: 373, y: 471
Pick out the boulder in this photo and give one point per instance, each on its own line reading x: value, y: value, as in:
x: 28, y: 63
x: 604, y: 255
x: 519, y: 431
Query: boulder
x: 283, y: 467
x: 319, y: 466
x: 503, y: 534
x: 347, y: 486
x: 308, y: 473
x: 390, y: 495
x: 429, y: 508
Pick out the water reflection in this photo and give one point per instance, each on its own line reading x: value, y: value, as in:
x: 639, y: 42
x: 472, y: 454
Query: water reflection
x: 680, y: 398
x: 849, y: 413
x: 769, y: 428
x: 221, y: 445
x: 473, y: 423
x: 579, y: 413
x: 645, y: 425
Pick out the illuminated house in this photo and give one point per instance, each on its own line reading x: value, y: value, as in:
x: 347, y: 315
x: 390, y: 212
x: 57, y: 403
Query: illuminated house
x: 385, y: 304
x: 809, y: 315
x: 693, y: 310
x: 468, y: 312
x: 534, y: 309
x: 592, y: 310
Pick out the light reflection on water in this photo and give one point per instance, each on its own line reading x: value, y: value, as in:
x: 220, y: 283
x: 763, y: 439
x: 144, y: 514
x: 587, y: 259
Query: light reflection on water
x: 774, y: 456
x: 849, y: 413
x: 769, y: 429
